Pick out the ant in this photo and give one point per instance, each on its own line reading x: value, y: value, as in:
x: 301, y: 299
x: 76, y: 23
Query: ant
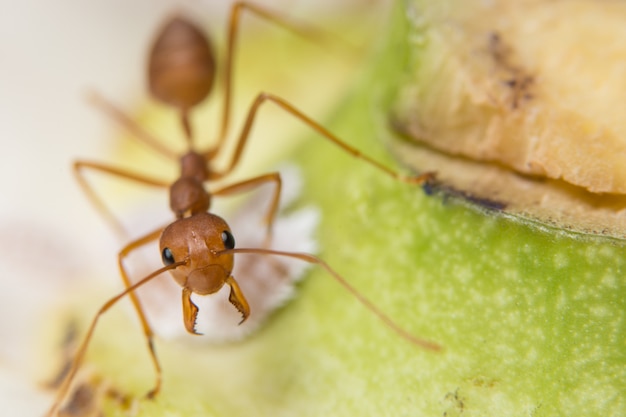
x: 198, y: 248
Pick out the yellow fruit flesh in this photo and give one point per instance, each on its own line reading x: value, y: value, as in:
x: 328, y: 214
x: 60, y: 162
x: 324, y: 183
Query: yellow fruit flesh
x: 534, y: 86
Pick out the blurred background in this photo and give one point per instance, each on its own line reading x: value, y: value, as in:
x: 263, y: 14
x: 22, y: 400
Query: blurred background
x: 53, y: 244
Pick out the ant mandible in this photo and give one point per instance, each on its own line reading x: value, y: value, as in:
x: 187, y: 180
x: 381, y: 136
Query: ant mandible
x: 198, y: 248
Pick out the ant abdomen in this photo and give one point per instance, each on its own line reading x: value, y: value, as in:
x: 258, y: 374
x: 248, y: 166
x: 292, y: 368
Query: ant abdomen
x: 181, y: 65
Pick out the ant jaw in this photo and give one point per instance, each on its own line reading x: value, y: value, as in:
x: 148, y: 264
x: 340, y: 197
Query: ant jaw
x: 190, y: 312
x: 237, y: 299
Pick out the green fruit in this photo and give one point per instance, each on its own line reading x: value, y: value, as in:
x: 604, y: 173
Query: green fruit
x: 532, y: 318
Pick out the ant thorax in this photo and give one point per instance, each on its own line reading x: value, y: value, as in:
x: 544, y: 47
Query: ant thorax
x: 188, y: 197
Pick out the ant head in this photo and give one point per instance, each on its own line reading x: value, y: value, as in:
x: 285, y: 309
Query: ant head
x: 199, y: 239
x: 181, y: 64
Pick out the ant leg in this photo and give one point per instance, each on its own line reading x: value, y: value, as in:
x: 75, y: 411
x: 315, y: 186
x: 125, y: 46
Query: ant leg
x: 80, y: 354
x: 285, y: 105
x: 147, y: 330
x: 253, y: 183
x: 299, y: 28
x: 342, y: 281
x: 104, y: 211
x: 130, y: 125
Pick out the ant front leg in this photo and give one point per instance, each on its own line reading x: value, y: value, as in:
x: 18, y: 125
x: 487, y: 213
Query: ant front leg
x: 80, y: 353
x: 147, y: 330
x: 105, y: 212
x: 243, y: 186
x: 326, y: 134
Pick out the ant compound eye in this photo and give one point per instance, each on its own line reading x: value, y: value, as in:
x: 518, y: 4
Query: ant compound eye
x: 228, y: 239
x: 167, y: 256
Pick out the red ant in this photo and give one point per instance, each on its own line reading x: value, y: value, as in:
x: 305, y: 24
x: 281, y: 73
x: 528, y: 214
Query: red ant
x: 198, y: 248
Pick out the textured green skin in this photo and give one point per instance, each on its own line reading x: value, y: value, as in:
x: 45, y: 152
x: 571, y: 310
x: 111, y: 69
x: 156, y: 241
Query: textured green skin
x: 532, y: 319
